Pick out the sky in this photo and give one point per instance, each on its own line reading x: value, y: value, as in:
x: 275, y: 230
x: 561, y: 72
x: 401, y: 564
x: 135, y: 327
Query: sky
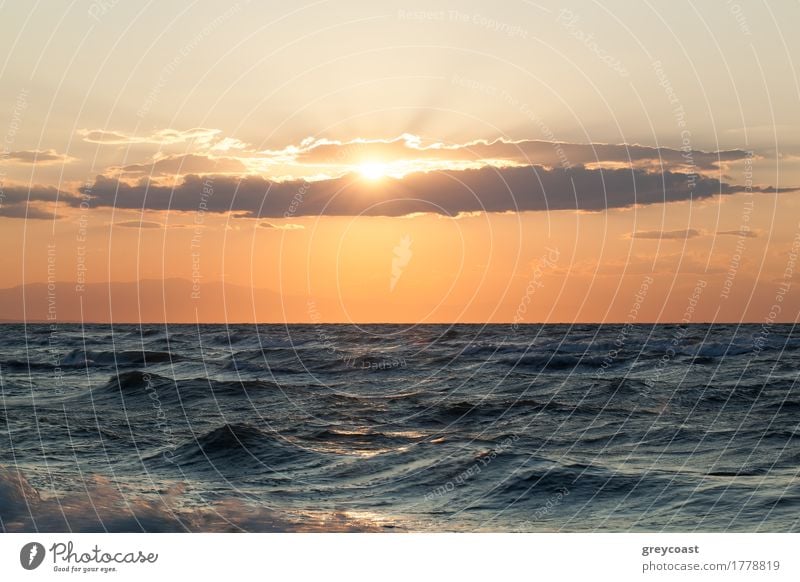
x: 471, y: 161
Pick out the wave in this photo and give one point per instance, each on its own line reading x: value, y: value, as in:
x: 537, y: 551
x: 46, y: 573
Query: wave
x: 552, y: 362
x: 137, y: 385
x: 80, y: 358
x: 527, y: 486
x: 366, y: 438
x: 23, y: 366
x: 479, y: 430
x: 240, y: 444
x: 102, y: 506
x: 226, y: 439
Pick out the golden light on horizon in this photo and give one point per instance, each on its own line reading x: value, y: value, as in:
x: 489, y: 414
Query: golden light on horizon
x: 372, y: 171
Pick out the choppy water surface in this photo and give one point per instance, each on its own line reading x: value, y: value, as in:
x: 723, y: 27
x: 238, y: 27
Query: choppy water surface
x: 394, y: 428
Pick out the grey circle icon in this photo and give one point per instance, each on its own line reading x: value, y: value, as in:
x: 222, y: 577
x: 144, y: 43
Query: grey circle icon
x: 31, y: 555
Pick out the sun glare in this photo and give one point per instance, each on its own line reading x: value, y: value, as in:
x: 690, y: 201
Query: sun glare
x: 372, y: 170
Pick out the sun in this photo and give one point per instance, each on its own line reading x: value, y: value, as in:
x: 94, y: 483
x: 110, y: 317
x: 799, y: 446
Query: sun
x: 372, y: 170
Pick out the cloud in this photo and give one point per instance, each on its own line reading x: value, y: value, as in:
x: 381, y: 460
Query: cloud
x: 526, y: 152
x: 228, y: 143
x: 289, y: 226
x: 489, y: 189
x: 447, y: 179
x: 14, y: 194
x: 36, y: 157
x: 185, y: 164
x: 25, y: 211
x: 743, y: 233
x: 407, y: 153
x: 138, y: 224
x: 26, y: 202
x: 774, y: 190
x: 667, y: 234
x: 160, y: 137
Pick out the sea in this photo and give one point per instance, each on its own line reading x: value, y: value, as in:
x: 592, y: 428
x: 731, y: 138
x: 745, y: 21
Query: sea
x: 399, y: 428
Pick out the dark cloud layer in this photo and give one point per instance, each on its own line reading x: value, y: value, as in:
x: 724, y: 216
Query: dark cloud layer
x: 19, y: 194
x: 531, y: 188
x: 15, y: 201
x: 187, y: 164
x: 24, y: 211
x: 539, y: 152
x: 138, y: 224
x: 667, y: 234
x: 743, y: 233
x: 35, y: 156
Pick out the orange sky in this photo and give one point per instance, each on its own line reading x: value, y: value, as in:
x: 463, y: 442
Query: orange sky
x: 403, y: 178
x: 563, y: 266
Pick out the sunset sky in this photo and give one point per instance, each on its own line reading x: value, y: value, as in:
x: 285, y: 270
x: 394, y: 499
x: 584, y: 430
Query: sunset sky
x: 393, y: 162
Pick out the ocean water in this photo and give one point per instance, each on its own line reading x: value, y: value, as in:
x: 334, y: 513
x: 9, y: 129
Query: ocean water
x: 399, y: 428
